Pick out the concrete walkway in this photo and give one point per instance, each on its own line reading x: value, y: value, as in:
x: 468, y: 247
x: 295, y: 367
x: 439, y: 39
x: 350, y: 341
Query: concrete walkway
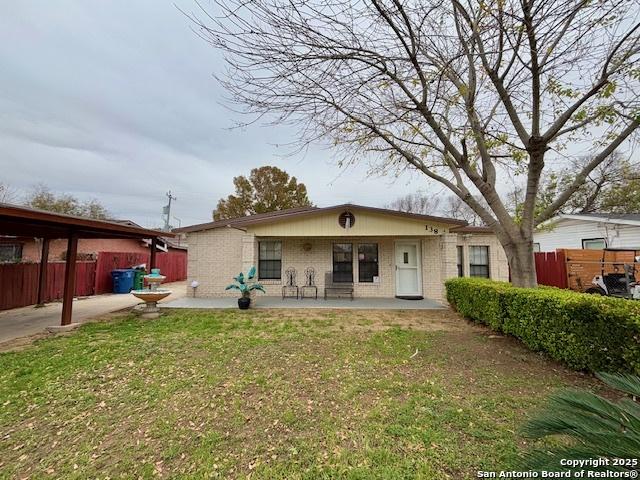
x: 339, y: 303
x: 21, y: 322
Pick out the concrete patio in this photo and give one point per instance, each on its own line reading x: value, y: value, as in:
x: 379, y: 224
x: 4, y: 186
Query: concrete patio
x: 337, y: 303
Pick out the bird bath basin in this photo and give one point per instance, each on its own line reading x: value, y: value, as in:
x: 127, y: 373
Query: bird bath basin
x: 152, y: 295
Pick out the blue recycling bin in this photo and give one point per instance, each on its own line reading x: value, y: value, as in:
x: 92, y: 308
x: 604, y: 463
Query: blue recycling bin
x: 123, y: 280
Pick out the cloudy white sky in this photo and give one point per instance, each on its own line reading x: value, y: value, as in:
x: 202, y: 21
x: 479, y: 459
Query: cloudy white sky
x: 115, y: 100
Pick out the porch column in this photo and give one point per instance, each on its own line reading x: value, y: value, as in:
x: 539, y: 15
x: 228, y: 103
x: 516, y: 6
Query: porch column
x: 69, y: 279
x: 249, y: 252
x: 448, y: 244
x: 153, y: 253
x: 42, y: 274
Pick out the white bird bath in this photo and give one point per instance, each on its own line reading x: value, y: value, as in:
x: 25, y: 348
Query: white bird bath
x: 152, y: 295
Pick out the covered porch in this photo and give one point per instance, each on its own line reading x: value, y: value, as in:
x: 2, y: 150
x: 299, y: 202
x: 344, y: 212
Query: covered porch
x: 376, y: 303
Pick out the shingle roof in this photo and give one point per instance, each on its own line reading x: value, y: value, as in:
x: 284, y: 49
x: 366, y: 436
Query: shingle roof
x: 614, y: 216
x: 302, y: 211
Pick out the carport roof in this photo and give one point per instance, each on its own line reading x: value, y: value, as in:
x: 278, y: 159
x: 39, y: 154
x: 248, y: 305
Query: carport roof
x: 15, y: 220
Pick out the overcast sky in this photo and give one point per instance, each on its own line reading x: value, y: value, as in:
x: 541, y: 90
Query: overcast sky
x: 115, y: 100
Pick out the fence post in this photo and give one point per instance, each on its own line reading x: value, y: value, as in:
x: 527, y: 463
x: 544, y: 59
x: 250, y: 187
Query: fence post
x: 562, y: 259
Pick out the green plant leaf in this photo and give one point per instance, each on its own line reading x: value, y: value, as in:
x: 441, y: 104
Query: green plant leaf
x: 251, y: 273
x: 624, y: 382
x: 594, y: 426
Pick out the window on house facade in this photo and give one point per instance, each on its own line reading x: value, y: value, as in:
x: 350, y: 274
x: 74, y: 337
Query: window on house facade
x: 536, y: 247
x: 479, y: 261
x: 460, y: 261
x: 270, y: 260
x: 367, y: 262
x: 11, y: 252
x: 594, y: 243
x: 343, y: 262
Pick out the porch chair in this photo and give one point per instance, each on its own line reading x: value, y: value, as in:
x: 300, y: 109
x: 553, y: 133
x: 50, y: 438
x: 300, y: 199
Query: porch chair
x: 309, y: 283
x: 338, y: 289
x: 290, y: 284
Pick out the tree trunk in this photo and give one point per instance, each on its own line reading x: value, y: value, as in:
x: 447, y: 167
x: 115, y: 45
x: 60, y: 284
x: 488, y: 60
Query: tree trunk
x: 521, y: 262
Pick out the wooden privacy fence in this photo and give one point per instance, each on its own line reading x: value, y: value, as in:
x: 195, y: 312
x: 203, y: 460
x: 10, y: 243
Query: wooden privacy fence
x: 551, y: 268
x: 173, y: 265
x: 583, y: 265
x: 19, y: 281
x: 575, y: 268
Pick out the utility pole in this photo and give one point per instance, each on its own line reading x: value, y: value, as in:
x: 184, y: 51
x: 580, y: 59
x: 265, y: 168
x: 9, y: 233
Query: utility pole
x: 167, y: 211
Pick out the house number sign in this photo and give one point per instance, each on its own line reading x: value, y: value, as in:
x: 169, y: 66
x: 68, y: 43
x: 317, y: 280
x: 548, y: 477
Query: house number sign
x: 432, y: 229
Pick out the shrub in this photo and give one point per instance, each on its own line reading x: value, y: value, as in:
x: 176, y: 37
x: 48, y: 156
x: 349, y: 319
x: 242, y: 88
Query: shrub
x: 590, y: 427
x: 586, y: 332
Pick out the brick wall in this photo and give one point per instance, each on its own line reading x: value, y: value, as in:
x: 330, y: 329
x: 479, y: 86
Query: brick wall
x: 32, y: 250
x: 216, y: 256
x: 320, y: 257
x: 498, y: 266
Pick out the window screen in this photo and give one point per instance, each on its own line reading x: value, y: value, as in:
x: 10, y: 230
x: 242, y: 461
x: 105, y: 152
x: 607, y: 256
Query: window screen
x: 367, y: 262
x: 594, y: 243
x: 10, y: 253
x: 479, y: 261
x: 270, y: 260
x: 343, y: 262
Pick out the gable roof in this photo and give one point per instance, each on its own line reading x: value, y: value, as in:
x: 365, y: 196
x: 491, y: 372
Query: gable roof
x: 260, y: 218
x: 616, y: 218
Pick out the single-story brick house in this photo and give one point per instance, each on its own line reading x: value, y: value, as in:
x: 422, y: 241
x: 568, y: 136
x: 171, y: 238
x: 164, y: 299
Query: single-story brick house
x: 385, y: 253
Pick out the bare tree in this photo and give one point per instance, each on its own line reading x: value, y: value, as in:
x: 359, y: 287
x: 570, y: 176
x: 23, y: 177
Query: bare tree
x: 7, y: 193
x: 416, y: 203
x: 611, y: 187
x: 455, y: 207
x: 448, y: 206
x: 460, y: 90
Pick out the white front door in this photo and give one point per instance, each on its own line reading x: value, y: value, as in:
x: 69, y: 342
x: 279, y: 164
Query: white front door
x: 408, y: 269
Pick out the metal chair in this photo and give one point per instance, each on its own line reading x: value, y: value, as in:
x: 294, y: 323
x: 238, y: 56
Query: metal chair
x: 337, y: 289
x: 290, y: 283
x: 309, y: 283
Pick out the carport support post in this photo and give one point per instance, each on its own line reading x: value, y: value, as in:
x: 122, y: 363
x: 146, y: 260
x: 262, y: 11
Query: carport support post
x: 69, y: 278
x: 42, y: 274
x: 154, y: 247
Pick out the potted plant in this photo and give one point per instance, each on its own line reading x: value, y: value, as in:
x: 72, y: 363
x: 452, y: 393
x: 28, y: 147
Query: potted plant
x: 245, y: 285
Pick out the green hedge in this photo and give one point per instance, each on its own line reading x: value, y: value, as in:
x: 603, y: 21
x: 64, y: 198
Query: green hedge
x: 586, y: 332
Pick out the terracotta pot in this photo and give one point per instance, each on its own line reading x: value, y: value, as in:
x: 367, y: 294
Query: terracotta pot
x: 243, y: 303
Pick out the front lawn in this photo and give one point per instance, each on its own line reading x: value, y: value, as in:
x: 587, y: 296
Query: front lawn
x: 270, y: 394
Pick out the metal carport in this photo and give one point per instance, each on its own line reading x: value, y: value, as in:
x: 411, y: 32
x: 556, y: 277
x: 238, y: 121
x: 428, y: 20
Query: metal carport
x: 21, y: 221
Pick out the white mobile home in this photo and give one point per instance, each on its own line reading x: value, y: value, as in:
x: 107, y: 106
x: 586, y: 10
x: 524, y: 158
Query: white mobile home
x: 589, y: 231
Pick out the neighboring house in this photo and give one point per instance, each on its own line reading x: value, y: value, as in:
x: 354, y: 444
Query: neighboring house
x: 385, y: 253
x: 589, y: 231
